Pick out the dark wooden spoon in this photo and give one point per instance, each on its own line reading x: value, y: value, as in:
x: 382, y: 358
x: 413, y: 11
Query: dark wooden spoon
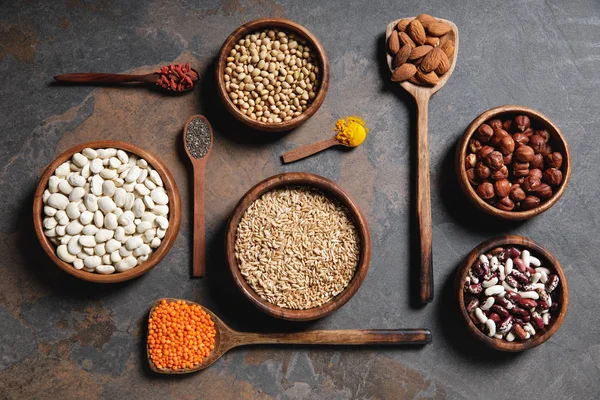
x: 227, y: 338
x: 102, y: 78
x: 199, y: 251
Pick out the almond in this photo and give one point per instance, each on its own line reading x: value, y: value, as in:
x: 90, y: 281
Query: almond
x: 419, y: 52
x: 402, y: 24
x: 431, y: 60
x: 445, y: 38
x: 413, y: 79
x: 448, y: 48
x: 432, y: 41
x: 416, y: 31
x: 402, y: 56
x: 438, y: 29
x: 393, y: 43
x: 404, y: 72
x: 444, y: 64
x: 406, y: 40
x: 430, y: 79
x: 426, y: 19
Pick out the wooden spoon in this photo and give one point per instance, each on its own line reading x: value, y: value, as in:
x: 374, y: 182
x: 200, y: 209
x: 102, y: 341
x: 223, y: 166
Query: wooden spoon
x: 422, y: 95
x: 227, y: 338
x: 102, y: 78
x: 310, y: 149
x: 199, y: 258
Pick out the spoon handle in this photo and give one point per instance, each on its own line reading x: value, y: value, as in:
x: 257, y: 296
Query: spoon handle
x: 199, y: 257
x: 424, y: 200
x: 341, y: 337
x: 308, y: 150
x: 94, y: 77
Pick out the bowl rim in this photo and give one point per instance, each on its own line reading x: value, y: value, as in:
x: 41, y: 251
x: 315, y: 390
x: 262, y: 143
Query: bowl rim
x: 252, y: 26
x: 157, y: 255
x: 461, y: 153
x: 523, y: 242
x: 330, y: 188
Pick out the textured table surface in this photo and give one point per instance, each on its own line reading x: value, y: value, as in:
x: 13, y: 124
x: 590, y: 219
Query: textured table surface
x: 61, y: 338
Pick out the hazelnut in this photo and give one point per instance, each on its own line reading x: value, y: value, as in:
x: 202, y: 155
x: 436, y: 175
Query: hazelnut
x: 544, y: 134
x: 495, y: 124
x: 472, y: 177
x: 535, y: 173
x: 494, y: 160
x: 470, y: 161
x: 485, y: 190
x: 537, y: 162
x: 482, y: 171
x: 524, y: 154
x: 507, y: 145
x: 522, y: 122
x: 530, y: 202
x: 547, y: 150
x: 544, y: 191
x: 520, y: 138
x: 507, y: 124
x: 528, y: 132
x: 484, y: 133
x: 502, y: 188
x: 519, y: 181
x: 537, y: 143
x: 505, y: 204
x: 499, y: 134
x: 552, y: 176
x: 520, y: 169
x: 508, y: 159
x: 500, y: 174
x: 516, y: 193
x: 530, y: 184
x: 554, y: 160
x: 484, y: 151
x: 474, y: 145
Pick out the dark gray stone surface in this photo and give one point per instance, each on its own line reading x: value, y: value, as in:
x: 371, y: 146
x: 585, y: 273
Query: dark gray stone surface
x: 66, y: 339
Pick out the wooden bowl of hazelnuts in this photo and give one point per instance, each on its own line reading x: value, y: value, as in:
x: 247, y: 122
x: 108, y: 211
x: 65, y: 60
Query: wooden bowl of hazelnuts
x: 513, y: 162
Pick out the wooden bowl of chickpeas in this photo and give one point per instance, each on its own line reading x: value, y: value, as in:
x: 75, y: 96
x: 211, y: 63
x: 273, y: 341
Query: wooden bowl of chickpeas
x: 272, y: 74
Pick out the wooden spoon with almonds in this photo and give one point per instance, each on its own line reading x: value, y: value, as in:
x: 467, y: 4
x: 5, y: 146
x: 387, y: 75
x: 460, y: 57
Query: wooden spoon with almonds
x: 421, y: 43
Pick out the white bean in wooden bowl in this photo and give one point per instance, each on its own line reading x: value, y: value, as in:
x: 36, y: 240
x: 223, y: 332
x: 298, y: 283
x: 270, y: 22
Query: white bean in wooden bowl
x: 106, y: 210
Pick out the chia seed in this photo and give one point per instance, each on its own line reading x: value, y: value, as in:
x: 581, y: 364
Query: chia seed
x: 198, y: 137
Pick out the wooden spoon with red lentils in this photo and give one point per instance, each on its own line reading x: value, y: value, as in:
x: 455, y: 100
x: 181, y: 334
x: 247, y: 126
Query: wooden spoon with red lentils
x: 173, y: 78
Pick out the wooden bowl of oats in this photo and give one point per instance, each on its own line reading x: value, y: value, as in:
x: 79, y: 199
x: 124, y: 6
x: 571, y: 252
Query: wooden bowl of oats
x: 297, y: 246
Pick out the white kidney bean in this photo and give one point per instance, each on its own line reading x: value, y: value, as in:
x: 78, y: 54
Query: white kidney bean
x: 62, y: 217
x: 65, y: 187
x: 143, y: 250
x: 510, y: 337
x: 487, y: 284
x: 494, y: 264
x: 53, y: 182
x: 58, y: 201
x: 72, y: 210
x: 160, y: 233
x: 89, y: 230
x: 113, y: 245
x: 134, y: 242
x: 161, y: 210
x: 74, y: 247
x: 50, y: 211
x: 149, y: 184
x: 65, y: 240
x: 141, y: 189
x: 98, y: 219
x: 155, y: 243
x: 129, y: 201
x: 50, y: 223
x: 105, y: 269
x: 106, y: 259
x: 159, y: 197
x: 74, y: 228
x: 120, y: 234
x: 63, y: 253
x: 126, y: 218
x: 110, y: 221
x: 525, y: 257
x: 80, y: 160
x: 508, y: 266
x: 91, y: 202
x: 529, y: 295
x: 89, y: 153
x: 115, y: 257
x: 480, y: 315
x: 546, y: 318
x: 508, y: 288
x: 87, y: 241
x: 494, y: 290
x: 92, y: 261
x: 489, y: 302
x: 104, y: 235
x: 143, y: 226
x: 63, y: 170
x: 76, y: 180
x: 138, y: 207
x: 491, y: 326
x: 543, y: 270
x: 100, y: 249
x: 126, y: 264
x: 106, y: 204
x: 78, y: 263
x: 76, y: 194
x: 124, y: 252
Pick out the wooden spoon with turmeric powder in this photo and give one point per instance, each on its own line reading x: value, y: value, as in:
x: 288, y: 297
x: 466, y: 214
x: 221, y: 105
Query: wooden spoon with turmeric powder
x: 422, y: 94
x: 351, y: 132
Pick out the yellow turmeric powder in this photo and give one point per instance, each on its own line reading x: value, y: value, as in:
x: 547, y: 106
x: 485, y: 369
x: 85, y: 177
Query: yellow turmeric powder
x: 351, y: 131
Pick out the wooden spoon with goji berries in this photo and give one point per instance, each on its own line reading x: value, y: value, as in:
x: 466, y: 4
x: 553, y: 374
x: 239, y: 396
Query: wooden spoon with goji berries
x: 174, y: 78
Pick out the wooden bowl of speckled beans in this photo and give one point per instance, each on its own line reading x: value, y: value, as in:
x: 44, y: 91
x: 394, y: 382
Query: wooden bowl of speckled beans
x: 158, y: 253
x: 550, y: 262
x: 288, y: 26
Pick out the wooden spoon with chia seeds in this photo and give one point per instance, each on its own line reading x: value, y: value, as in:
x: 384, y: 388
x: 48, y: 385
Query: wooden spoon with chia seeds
x: 197, y: 140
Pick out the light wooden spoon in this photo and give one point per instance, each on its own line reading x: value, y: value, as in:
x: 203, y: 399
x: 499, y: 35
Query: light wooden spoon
x: 310, y: 149
x: 422, y: 95
x: 227, y: 338
x: 199, y: 257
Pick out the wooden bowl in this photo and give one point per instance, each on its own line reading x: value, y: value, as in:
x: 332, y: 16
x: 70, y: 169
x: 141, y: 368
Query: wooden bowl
x: 157, y: 254
x: 558, y: 143
x: 328, y: 187
x: 289, y: 26
x: 548, y: 260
